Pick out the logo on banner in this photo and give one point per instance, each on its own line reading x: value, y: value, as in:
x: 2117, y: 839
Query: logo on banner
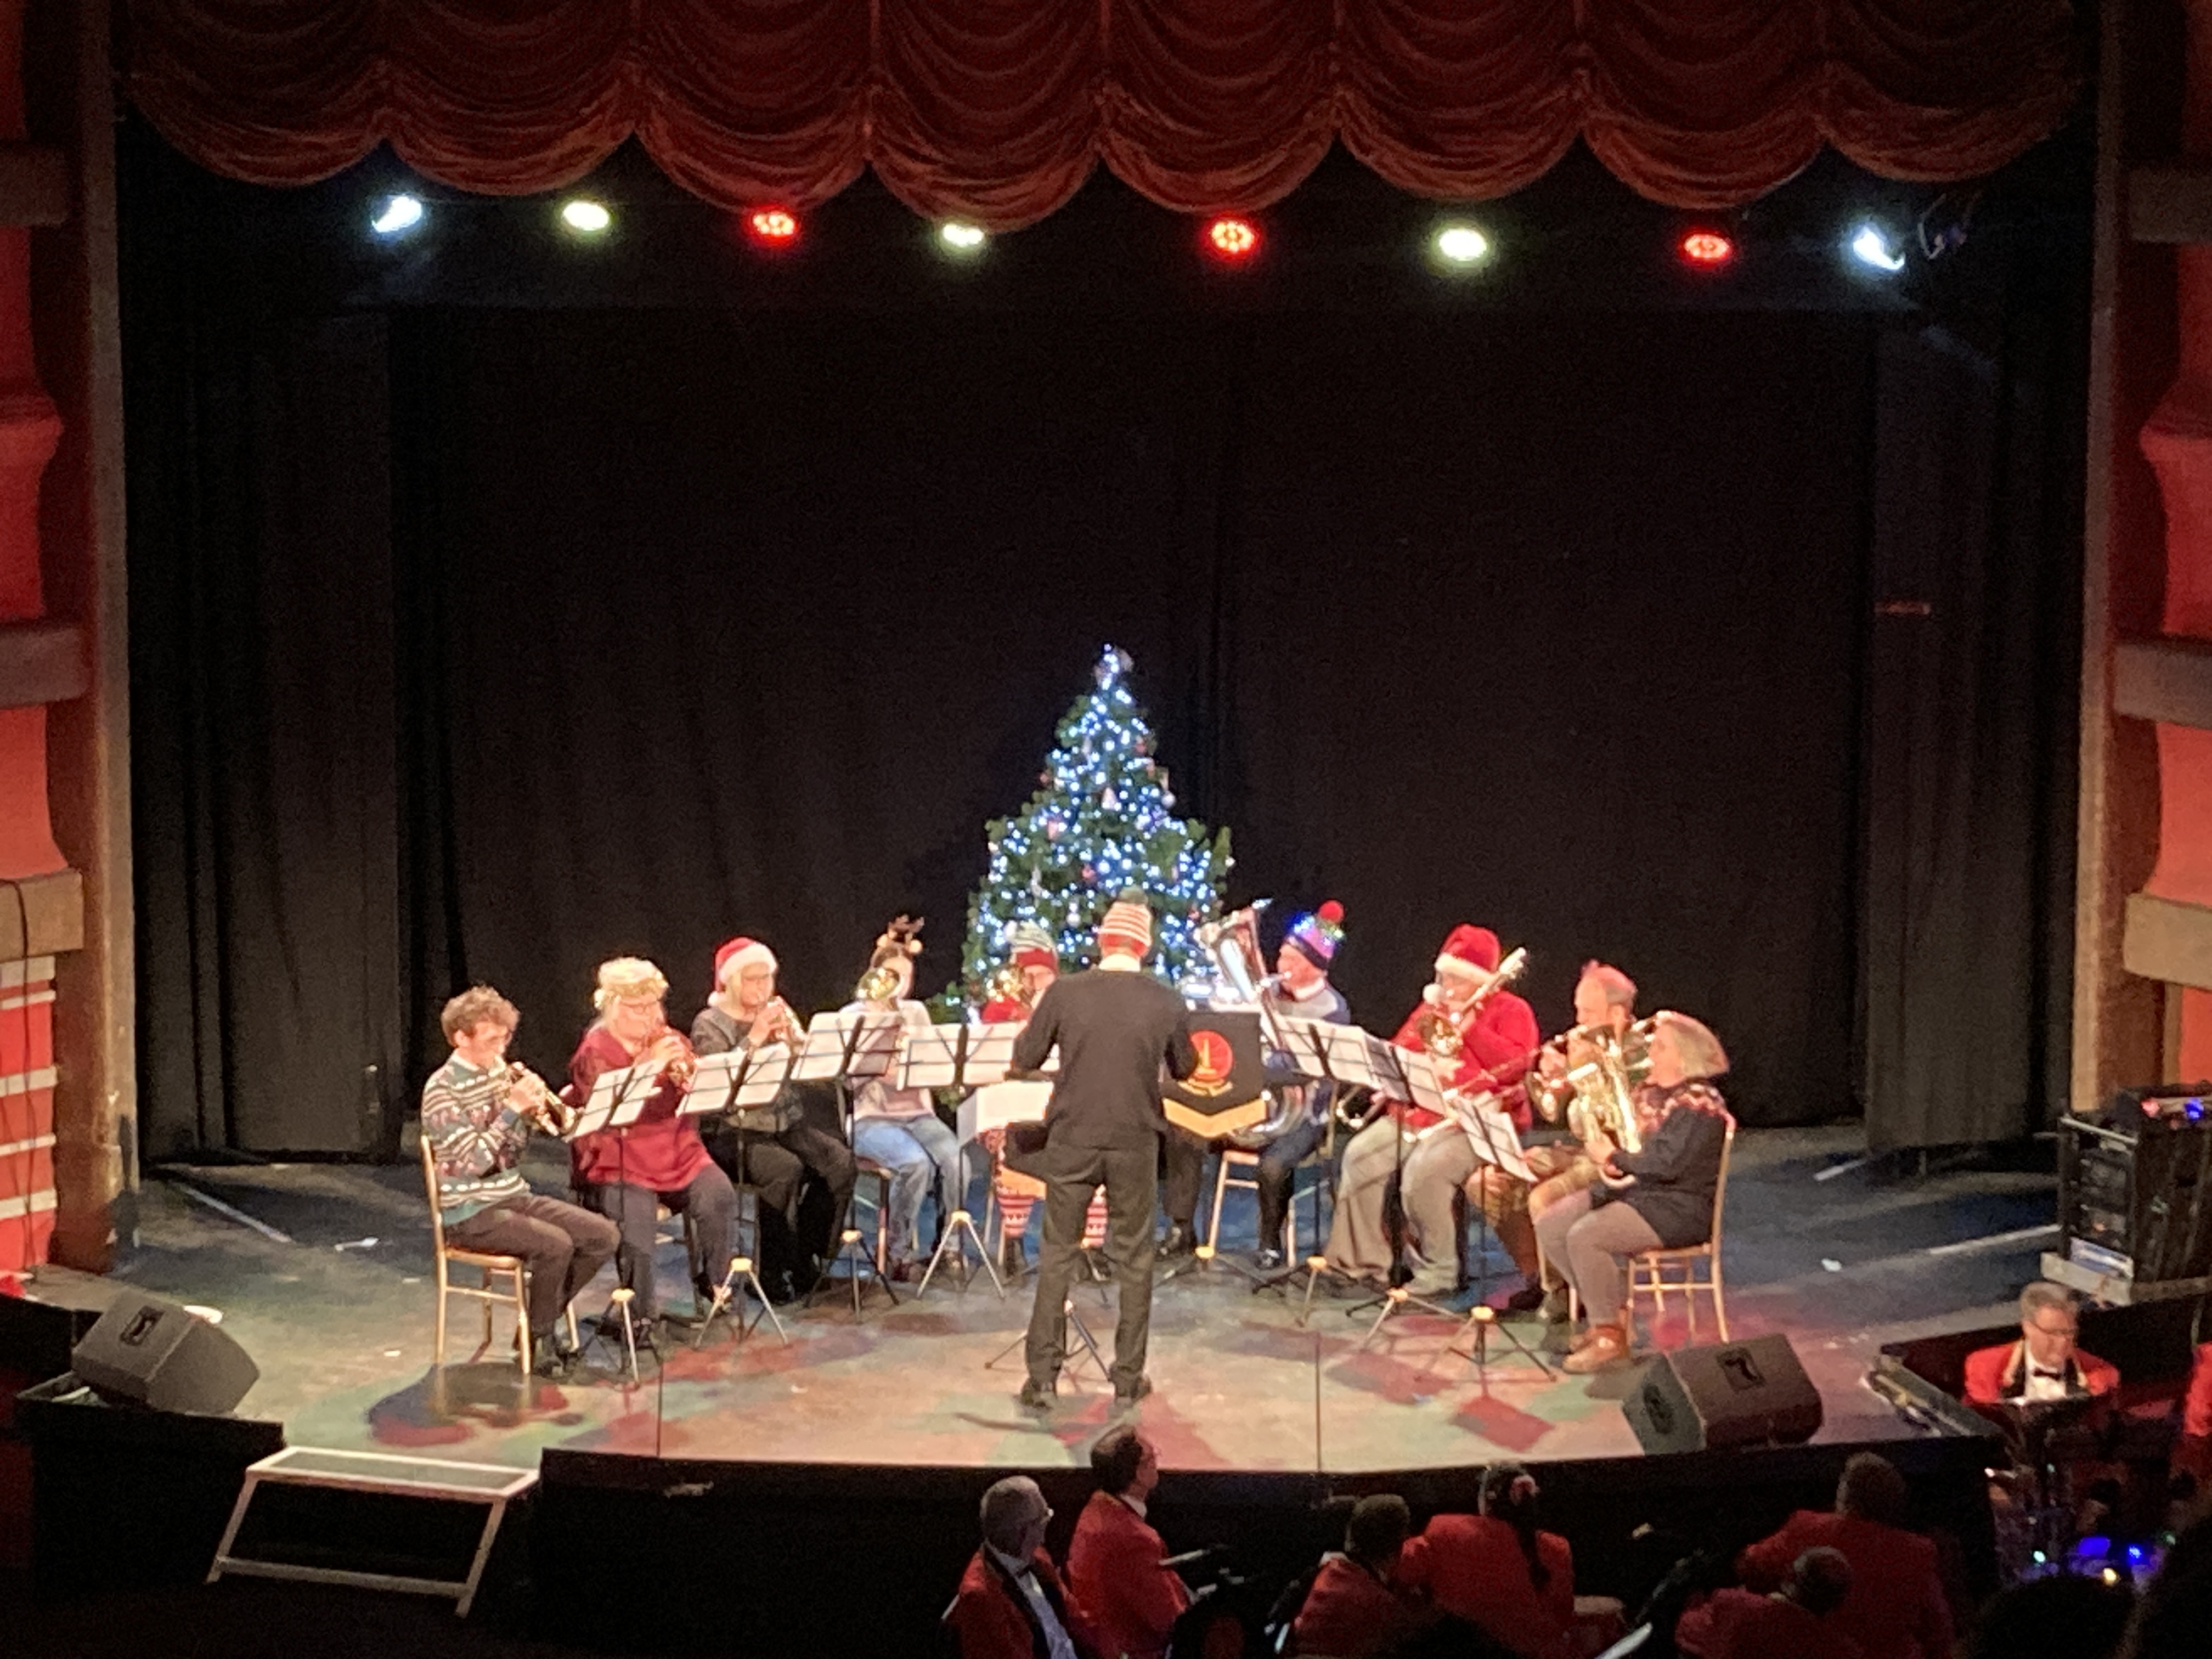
x: 1216, y: 1062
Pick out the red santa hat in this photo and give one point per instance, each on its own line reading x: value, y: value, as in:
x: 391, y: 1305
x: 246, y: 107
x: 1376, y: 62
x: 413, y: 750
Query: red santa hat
x: 1032, y: 947
x: 1468, y: 950
x: 1127, y: 928
x: 737, y: 954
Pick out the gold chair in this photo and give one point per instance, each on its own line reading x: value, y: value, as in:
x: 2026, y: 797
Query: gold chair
x: 447, y: 1256
x: 1237, y: 1158
x: 1647, y: 1270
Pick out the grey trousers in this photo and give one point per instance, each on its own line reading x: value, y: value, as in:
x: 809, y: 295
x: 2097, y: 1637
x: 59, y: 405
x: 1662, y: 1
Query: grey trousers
x: 1132, y: 1181
x: 1587, y: 1243
x: 1358, y: 1238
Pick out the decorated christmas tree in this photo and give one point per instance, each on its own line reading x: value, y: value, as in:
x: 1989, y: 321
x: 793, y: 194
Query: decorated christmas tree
x: 1101, y: 820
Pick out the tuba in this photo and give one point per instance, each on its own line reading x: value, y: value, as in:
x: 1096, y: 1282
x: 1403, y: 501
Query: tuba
x: 1598, y: 1093
x: 1232, y: 940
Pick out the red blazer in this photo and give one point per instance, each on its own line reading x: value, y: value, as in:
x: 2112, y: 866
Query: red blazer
x: 1738, y: 1624
x: 1116, y: 1584
x: 1895, y: 1609
x: 1993, y: 1374
x: 1349, y: 1613
x: 2196, y: 1404
x: 1472, y: 1567
x: 1496, y: 1049
x: 992, y: 1621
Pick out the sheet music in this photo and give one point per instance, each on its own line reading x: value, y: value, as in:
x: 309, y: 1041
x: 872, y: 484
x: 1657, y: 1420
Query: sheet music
x: 762, y: 1080
x: 867, y: 1040
x: 932, y: 1057
x: 617, y: 1100
x: 1490, y: 1131
x: 1309, y: 1042
x: 990, y: 1052
x: 712, y: 1083
x: 997, y: 1105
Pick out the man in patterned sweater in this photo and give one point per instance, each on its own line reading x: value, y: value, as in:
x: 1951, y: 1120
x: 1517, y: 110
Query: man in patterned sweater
x: 471, y: 1118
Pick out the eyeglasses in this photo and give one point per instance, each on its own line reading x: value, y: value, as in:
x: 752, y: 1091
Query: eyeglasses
x: 2069, y: 1331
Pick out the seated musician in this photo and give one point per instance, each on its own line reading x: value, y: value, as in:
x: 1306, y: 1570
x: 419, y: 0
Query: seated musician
x: 477, y: 1113
x: 1357, y: 1604
x: 1605, y: 1002
x: 1118, y: 1582
x: 1659, y: 1196
x: 803, y: 1175
x: 1498, y: 1570
x: 628, y: 1173
x: 1488, y: 1035
x: 1303, y: 991
x: 1032, y: 967
x: 898, y: 1129
x: 2043, y: 1365
x: 1010, y: 1604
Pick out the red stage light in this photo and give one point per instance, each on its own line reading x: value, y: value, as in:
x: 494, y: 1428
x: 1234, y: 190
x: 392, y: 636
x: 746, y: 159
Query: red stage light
x: 1232, y: 239
x: 774, y: 225
x: 1707, y: 247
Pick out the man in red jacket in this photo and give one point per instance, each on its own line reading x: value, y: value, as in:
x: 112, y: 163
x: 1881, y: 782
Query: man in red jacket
x: 2045, y: 1364
x: 1799, y: 1620
x: 1116, y: 1584
x: 1895, y: 1608
x: 1009, y: 1604
x: 1354, y: 1608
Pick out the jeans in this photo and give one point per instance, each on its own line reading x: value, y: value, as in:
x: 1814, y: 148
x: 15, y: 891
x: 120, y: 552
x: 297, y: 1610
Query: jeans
x: 923, y: 1156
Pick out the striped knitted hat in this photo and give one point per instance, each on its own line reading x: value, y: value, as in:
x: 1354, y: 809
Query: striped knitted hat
x: 1031, y: 946
x: 1129, y: 921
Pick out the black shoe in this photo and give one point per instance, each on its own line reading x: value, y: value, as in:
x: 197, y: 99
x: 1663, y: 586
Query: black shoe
x: 552, y: 1361
x: 1555, y: 1305
x: 781, y: 1287
x: 1097, y: 1268
x: 1180, y: 1241
x: 1013, y: 1261
x: 1269, y: 1261
x: 1036, y: 1397
x: 689, y: 1319
x: 1528, y: 1299
x: 1128, y: 1393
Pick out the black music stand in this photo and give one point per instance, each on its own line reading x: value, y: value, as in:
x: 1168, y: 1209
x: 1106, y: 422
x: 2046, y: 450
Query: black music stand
x: 834, y: 1053
x: 618, y: 1100
x: 717, y: 1087
x: 1492, y: 1134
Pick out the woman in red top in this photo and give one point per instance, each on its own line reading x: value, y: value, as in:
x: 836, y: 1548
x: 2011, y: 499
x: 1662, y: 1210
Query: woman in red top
x: 1496, y: 1570
x: 627, y: 1173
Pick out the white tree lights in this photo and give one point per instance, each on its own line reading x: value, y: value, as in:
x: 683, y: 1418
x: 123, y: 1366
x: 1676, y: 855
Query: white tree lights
x: 1101, y: 820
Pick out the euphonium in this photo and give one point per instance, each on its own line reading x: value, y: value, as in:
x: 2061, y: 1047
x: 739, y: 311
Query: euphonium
x: 1006, y: 985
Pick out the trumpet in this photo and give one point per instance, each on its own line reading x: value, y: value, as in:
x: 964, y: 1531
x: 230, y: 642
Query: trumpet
x: 788, y: 1028
x: 533, y: 1097
x: 680, y: 1067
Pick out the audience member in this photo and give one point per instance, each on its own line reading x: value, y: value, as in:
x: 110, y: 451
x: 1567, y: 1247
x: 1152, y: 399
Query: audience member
x: 2174, y: 1620
x: 2063, y: 1617
x: 1798, y: 1622
x: 1496, y: 1570
x: 1354, y: 1609
x: 2045, y: 1364
x: 1896, y: 1608
x: 1114, y: 1579
x: 1009, y: 1604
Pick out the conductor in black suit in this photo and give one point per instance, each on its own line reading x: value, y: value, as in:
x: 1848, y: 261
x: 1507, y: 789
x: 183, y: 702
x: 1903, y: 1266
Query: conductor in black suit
x: 1115, y: 1026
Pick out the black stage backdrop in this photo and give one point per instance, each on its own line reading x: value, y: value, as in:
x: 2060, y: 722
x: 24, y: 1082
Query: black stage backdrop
x: 482, y: 643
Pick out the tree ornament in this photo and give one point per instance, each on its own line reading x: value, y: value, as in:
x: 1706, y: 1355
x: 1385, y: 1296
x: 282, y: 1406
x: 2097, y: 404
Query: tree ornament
x: 1108, y: 799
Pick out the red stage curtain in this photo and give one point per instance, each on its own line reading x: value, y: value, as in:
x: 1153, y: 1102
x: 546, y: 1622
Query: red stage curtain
x: 993, y: 110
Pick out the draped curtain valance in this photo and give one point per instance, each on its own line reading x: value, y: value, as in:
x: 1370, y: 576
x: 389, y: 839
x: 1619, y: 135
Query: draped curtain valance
x: 996, y: 110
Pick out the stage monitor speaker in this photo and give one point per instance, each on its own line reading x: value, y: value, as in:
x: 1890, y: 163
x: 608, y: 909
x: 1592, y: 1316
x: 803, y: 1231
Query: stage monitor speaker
x: 1733, y: 1394
x: 156, y: 1353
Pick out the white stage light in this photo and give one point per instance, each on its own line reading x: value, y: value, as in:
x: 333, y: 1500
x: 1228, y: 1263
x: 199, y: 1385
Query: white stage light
x: 1462, y: 245
x: 960, y: 236
x: 396, y: 214
x: 585, y: 216
x: 1869, y: 246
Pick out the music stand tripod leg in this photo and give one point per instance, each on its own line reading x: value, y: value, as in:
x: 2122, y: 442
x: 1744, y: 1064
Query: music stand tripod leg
x: 959, y: 1233
x: 1397, y: 1300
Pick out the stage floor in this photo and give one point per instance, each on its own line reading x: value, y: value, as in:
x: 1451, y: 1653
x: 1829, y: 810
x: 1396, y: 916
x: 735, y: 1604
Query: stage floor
x: 338, y: 1311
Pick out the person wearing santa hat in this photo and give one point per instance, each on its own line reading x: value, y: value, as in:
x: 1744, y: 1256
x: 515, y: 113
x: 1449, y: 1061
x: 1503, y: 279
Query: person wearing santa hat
x: 804, y: 1175
x: 1115, y: 1027
x: 1493, y: 1033
x: 1301, y: 990
x: 1034, y: 961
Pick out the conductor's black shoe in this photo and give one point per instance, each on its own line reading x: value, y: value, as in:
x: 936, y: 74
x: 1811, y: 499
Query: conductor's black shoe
x: 1128, y: 1393
x: 1180, y: 1241
x: 1269, y: 1261
x: 1528, y: 1299
x: 1035, y: 1397
x: 552, y: 1361
x: 1097, y: 1268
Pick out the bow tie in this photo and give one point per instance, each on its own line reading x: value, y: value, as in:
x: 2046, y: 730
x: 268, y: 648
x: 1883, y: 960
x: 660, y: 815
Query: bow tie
x: 2053, y: 1376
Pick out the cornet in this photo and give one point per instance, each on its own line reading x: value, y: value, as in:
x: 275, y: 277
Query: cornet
x: 533, y: 1097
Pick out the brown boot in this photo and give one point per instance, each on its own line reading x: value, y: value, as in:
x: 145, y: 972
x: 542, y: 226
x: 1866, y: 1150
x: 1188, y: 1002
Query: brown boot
x: 1603, y: 1349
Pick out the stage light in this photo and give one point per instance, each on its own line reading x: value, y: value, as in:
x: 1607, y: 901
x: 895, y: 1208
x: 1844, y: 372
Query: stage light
x: 1462, y: 245
x: 396, y: 214
x: 960, y: 236
x: 774, y: 225
x: 1871, y: 246
x: 1708, y: 248
x: 1232, y: 237
x: 585, y: 216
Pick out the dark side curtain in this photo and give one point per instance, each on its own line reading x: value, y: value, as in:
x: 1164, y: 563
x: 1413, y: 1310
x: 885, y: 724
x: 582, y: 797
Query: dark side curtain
x: 1966, y: 914
x: 995, y: 111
